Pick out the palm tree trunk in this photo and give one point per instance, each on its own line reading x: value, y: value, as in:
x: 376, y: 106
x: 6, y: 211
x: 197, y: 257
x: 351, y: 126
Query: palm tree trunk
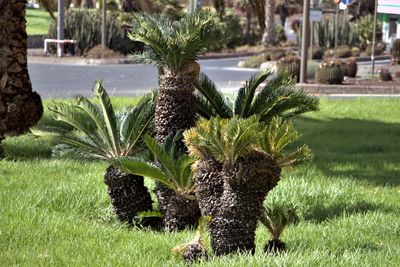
x: 269, y: 32
x: 175, y: 110
x: 20, y: 108
x: 246, y: 184
x: 128, y: 194
x: 87, y: 3
x: 209, y: 186
x: 76, y: 3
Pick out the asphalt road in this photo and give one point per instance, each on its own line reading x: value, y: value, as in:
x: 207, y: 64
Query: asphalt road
x: 67, y: 80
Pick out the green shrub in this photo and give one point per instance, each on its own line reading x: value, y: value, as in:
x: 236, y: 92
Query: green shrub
x: 280, y: 34
x: 85, y: 27
x: 330, y: 72
x: 277, y: 54
x: 254, y: 61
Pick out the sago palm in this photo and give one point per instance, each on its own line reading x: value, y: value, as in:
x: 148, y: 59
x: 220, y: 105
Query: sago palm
x: 173, y: 170
x: 276, y: 218
x: 250, y: 169
x: 174, y: 47
x: 277, y: 97
x: 100, y: 133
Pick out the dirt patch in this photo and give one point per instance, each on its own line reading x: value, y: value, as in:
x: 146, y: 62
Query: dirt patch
x: 99, y: 52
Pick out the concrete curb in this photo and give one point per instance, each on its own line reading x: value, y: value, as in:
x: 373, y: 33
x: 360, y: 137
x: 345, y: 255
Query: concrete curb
x: 78, y: 61
x: 323, y: 89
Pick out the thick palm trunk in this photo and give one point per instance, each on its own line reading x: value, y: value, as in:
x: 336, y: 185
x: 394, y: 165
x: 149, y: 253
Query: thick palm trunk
x: 175, y: 110
x: 20, y: 108
x: 128, y: 194
x: 209, y: 186
x: 246, y: 184
x: 268, y: 37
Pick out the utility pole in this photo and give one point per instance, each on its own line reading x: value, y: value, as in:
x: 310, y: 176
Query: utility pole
x: 103, y: 24
x: 374, y: 39
x: 304, y: 41
x: 60, y: 28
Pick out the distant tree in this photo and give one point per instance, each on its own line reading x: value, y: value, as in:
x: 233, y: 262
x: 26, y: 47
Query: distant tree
x: 268, y: 37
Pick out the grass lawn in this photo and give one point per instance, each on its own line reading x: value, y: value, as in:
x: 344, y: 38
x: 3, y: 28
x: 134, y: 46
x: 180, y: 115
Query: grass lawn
x: 56, y: 211
x: 38, y: 21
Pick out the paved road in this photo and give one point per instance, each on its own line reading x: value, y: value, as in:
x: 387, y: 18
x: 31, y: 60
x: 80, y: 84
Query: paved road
x: 67, y: 80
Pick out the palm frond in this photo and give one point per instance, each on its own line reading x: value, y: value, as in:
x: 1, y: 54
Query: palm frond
x: 175, y: 44
x: 110, y: 119
x: 213, y: 101
x: 275, y: 218
x: 246, y: 94
x: 277, y: 136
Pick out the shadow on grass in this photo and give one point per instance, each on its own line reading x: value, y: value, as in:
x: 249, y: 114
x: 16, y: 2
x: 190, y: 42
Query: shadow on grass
x: 360, y: 149
x: 319, y: 213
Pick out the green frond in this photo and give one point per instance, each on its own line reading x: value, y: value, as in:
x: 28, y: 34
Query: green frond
x: 109, y: 116
x: 139, y: 167
x: 212, y: 103
x: 223, y: 139
x: 299, y: 156
x: 277, y: 217
x: 246, y: 94
x: 175, y: 44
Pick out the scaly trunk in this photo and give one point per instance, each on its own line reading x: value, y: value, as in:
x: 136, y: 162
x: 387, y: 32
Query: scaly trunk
x: 209, y: 186
x: 268, y: 37
x: 20, y: 108
x: 175, y: 110
x: 128, y: 194
x: 246, y: 184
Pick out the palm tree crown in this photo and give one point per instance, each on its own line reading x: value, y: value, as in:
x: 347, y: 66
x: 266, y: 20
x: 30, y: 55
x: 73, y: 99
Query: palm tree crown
x: 175, y: 44
x: 98, y: 131
x: 277, y: 97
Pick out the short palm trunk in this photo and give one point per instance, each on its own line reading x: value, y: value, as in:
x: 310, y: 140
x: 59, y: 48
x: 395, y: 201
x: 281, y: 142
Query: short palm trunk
x: 128, y: 194
x: 209, y: 185
x: 246, y: 184
x: 175, y: 110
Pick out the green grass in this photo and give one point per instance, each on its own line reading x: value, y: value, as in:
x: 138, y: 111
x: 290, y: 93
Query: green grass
x: 37, y: 21
x: 56, y: 211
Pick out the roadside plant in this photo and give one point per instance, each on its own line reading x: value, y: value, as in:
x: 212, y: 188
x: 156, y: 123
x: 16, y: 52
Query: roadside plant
x: 174, y: 47
x: 100, y: 134
x: 173, y: 170
x: 251, y: 157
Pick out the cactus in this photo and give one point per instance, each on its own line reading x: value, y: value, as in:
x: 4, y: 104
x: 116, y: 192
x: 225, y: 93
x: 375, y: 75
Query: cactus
x: 329, y: 72
x: 355, y: 52
x: 316, y: 52
x: 350, y: 67
x: 396, y: 52
x: 329, y: 53
x: 397, y: 74
x: 385, y: 75
x: 290, y: 65
x: 343, y: 51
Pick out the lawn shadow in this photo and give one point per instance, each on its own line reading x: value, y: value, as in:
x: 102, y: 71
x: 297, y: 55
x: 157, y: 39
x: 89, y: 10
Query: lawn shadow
x: 365, y: 150
x: 319, y: 213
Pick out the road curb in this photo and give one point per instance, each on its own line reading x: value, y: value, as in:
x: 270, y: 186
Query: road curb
x: 320, y: 89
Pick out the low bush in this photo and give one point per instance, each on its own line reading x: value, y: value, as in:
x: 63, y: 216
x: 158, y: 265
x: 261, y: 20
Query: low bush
x: 254, y: 61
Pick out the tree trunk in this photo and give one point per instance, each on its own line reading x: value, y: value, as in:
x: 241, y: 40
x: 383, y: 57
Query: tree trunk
x: 247, y: 36
x: 128, y: 194
x: 246, y: 184
x: 20, y: 108
x: 87, y: 4
x: 268, y: 37
x: 77, y: 3
x: 175, y: 110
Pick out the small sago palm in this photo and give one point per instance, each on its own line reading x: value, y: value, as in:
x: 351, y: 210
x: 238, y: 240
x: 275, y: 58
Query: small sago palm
x: 173, y: 171
x: 174, y: 47
x: 99, y: 133
x: 250, y: 169
x: 275, y: 219
x: 277, y: 97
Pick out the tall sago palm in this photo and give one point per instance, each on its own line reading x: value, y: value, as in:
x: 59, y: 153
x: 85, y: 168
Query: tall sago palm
x: 251, y: 157
x: 174, y: 47
x: 173, y: 170
x: 20, y: 108
x: 277, y: 97
x: 100, y: 133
